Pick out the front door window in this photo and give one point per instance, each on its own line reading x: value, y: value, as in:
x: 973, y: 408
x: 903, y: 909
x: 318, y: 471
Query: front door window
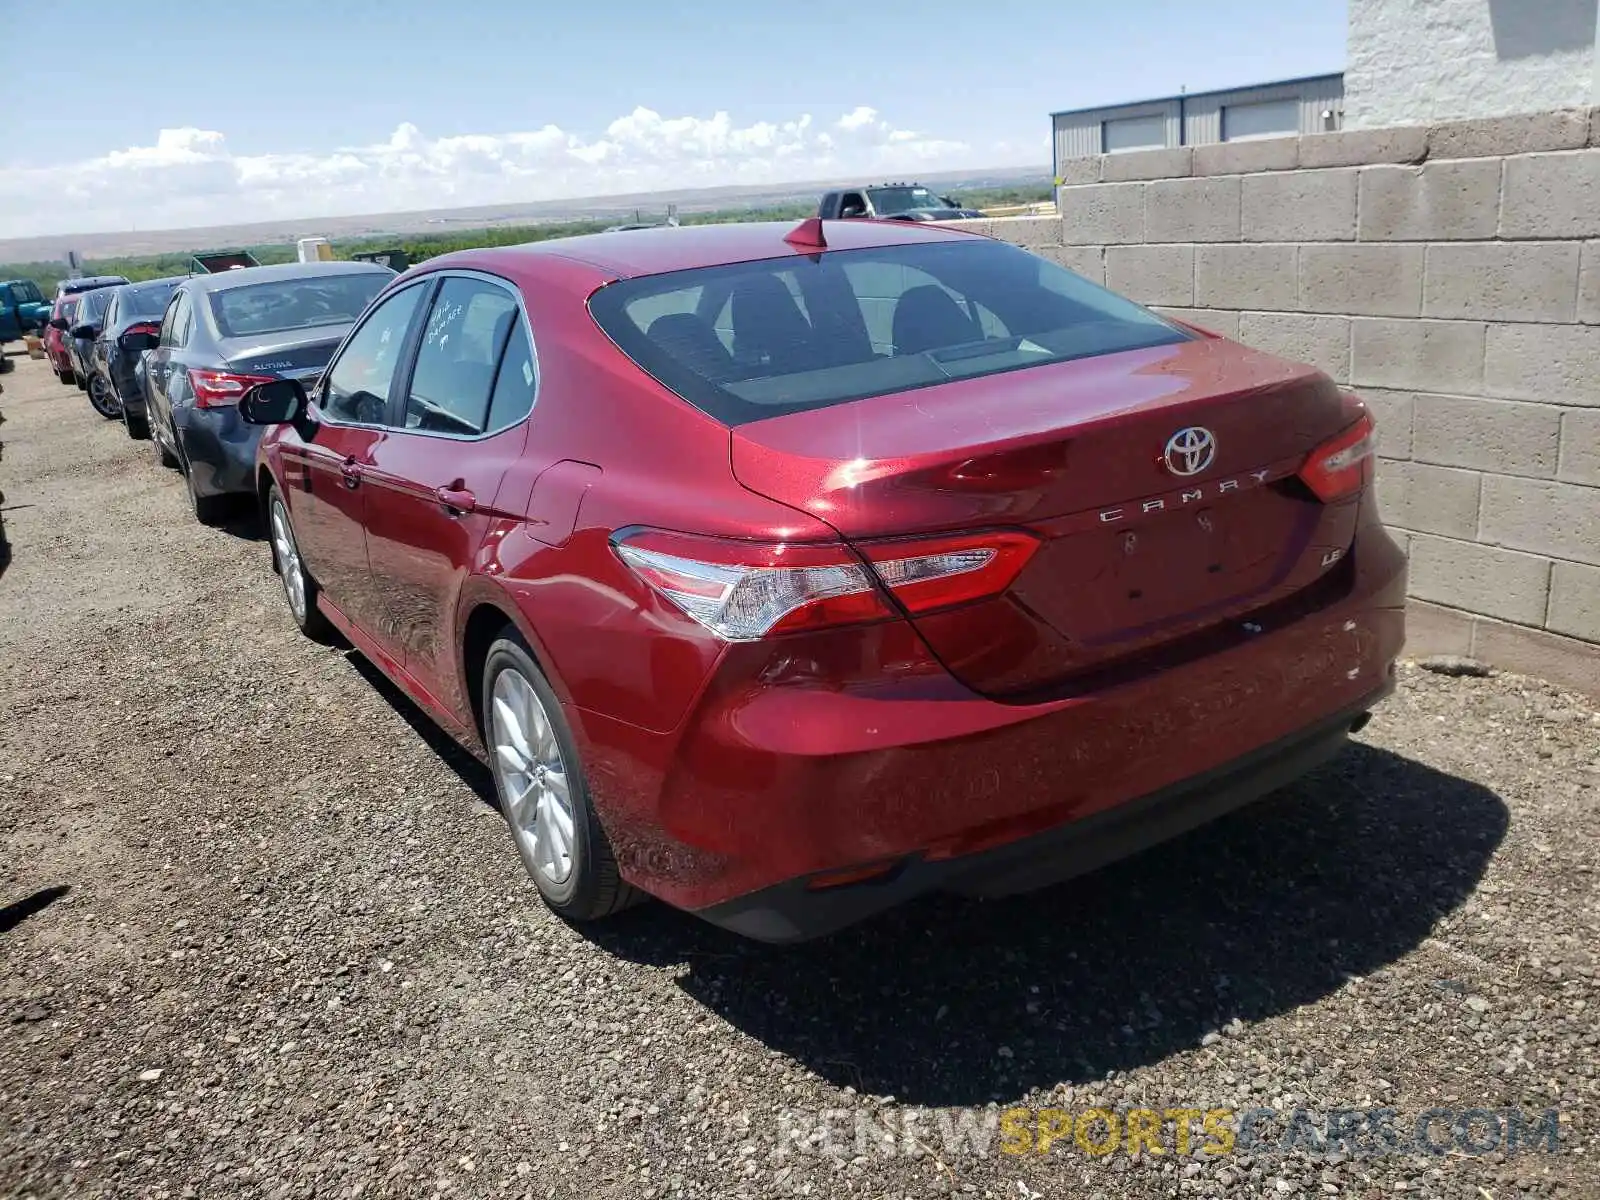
x: 358, y: 383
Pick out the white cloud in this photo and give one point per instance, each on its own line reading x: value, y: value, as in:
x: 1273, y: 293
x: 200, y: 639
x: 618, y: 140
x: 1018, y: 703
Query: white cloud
x: 858, y: 118
x: 191, y: 177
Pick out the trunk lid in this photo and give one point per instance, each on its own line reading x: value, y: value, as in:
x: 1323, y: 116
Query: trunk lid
x: 1134, y: 553
x: 303, y: 354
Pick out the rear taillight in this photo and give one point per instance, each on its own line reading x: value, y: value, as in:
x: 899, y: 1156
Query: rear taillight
x: 932, y: 573
x: 218, y: 389
x: 1343, y: 463
x: 150, y: 328
x: 743, y: 591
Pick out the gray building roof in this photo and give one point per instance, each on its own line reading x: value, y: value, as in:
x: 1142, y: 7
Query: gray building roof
x: 1243, y: 87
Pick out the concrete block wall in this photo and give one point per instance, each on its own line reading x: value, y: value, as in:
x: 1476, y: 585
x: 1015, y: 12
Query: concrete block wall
x: 1451, y: 275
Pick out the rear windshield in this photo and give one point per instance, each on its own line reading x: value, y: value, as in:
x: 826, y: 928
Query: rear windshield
x: 903, y: 199
x: 296, y: 303
x: 759, y: 339
x: 94, y: 304
x: 147, y: 300
x: 90, y: 283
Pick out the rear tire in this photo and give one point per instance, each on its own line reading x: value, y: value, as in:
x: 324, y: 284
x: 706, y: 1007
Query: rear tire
x: 208, y: 510
x: 299, y: 589
x: 164, y: 457
x: 65, y: 377
x: 102, y: 398
x: 543, y: 793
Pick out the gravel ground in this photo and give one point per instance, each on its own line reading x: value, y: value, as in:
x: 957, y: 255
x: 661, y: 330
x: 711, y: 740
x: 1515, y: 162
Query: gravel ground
x: 266, y: 936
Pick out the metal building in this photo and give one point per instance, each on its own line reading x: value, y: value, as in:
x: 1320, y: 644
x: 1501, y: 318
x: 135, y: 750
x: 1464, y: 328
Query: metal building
x: 1311, y: 104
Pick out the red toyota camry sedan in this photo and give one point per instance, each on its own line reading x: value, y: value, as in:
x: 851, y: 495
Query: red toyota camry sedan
x: 785, y: 572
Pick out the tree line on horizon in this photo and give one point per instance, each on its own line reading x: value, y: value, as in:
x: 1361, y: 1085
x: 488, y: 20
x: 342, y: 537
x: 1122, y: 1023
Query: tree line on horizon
x: 421, y: 246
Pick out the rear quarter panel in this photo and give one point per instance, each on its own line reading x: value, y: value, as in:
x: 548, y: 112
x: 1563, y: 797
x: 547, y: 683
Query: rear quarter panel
x: 611, y: 645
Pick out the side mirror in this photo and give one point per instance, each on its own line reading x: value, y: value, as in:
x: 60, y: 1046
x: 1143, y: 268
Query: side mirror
x: 137, y: 342
x: 58, y: 323
x: 852, y: 210
x: 85, y: 332
x: 278, y: 402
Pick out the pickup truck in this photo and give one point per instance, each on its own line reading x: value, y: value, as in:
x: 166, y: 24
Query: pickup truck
x: 892, y: 202
x: 210, y: 262
x: 23, y: 309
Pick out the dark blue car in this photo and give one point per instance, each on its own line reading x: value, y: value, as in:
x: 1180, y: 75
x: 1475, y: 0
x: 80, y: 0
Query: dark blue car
x: 134, y: 309
x: 222, y: 333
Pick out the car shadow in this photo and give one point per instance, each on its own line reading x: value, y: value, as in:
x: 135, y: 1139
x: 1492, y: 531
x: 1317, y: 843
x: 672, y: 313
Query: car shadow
x: 18, y: 911
x: 471, y: 772
x: 954, y: 1002
x: 5, y: 542
x: 948, y: 1001
x: 244, y: 523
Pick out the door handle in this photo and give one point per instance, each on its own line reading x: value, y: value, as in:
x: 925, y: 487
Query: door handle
x: 350, y: 472
x: 456, y: 501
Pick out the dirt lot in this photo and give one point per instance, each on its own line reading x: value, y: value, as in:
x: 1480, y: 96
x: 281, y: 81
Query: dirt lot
x: 267, y: 937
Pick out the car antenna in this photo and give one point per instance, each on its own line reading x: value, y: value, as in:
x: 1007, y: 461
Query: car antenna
x: 807, y: 233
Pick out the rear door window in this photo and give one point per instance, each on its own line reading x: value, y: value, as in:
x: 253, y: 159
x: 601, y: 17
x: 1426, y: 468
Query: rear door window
x: 176, y: 322
x: 183, y: 323
x: 175, y: 325
x: 463, y: 340
x: 758, y: 339
x: 516, y: 381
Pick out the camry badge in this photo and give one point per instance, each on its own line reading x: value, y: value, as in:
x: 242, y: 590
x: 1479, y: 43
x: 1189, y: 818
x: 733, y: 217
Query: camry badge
x: 1190, y: 451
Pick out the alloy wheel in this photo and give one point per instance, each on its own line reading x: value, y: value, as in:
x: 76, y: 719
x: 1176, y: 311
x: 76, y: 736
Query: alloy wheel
x: 290, y: 568
x: 533, y: 776
x: 103, y: 398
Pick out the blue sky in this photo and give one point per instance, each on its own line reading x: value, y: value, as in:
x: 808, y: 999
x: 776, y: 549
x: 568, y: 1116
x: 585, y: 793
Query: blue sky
x: 295, y: 102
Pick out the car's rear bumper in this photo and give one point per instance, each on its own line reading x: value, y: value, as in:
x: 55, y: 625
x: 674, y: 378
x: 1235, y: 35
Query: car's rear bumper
x: 782, y: 773
x: 798, y: 909
x: 220, y: 450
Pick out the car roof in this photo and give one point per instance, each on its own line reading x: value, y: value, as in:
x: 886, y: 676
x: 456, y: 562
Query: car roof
x: 88, y: 283
x: 668, y: 248
x: 244, y: 276
x: 168, y: 280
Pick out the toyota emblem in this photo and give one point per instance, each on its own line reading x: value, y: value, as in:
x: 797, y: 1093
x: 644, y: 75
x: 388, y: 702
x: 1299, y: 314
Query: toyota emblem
x: 1190, y: 450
